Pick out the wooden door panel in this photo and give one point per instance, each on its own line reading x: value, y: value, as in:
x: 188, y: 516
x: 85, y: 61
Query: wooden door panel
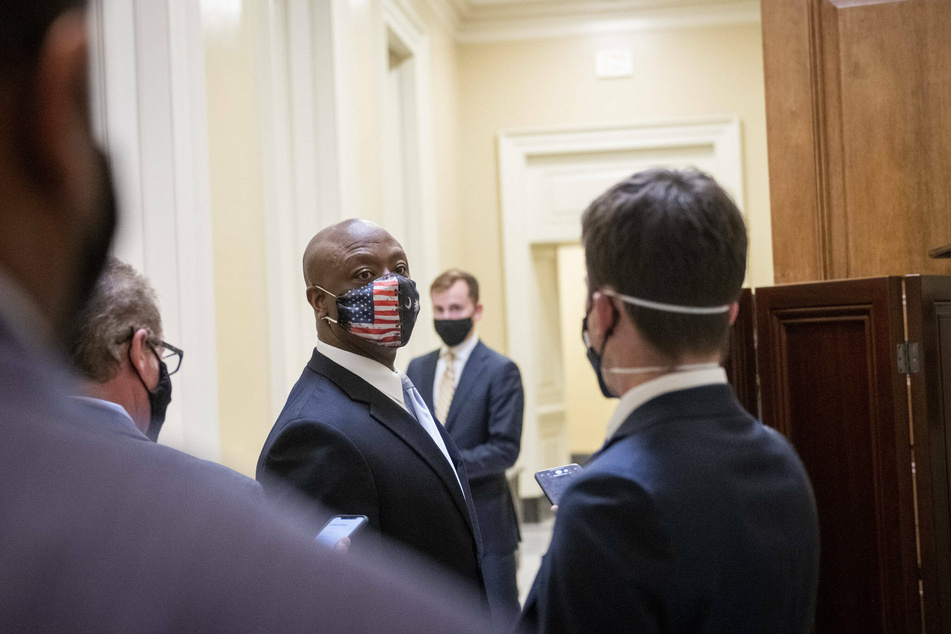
x: 829, y: 382
x: 859, y: 130
x: 929, y: 325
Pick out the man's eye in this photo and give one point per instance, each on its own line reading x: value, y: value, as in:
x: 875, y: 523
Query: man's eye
x: 365, y: 275
x: 400, y: 269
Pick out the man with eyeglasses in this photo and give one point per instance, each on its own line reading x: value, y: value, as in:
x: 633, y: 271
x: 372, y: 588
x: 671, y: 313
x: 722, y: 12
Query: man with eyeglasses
x: 126, y: 368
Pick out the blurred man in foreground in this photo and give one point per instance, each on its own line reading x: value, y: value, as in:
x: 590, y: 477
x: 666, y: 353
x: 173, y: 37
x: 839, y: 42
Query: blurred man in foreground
x: 477, y: 394
x: 98, y: 531
x: 693, y: 516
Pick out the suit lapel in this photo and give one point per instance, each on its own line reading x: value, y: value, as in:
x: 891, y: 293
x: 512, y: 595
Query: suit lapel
x: 397, y: 420
x: 411, y: 432
x: 470, y: 374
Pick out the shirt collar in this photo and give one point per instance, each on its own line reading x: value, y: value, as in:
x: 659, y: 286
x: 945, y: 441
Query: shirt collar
x: 115, y: 407
x: 21, y: 315
x: 463, y: 350
x: 373, y: 372
x: 672, y: 382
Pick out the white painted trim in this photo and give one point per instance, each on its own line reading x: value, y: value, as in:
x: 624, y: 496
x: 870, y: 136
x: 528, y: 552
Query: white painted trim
x: 399, y: 18
x: 303, y: 166
x: 150, y: 111
x: 519, y: 233
x: 500, y: 21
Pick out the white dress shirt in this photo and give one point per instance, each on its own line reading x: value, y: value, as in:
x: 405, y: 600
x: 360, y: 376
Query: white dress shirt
x: 390, y: 383
x: 462, y: 353
x: 672, y: 382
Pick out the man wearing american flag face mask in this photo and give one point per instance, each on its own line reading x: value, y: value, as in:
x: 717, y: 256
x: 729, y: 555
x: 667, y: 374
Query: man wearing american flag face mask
x: 354, y: 435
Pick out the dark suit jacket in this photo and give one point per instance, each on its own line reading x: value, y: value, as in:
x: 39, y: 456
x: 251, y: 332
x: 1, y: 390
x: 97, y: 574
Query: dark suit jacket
x: 485, y: 421
x: 102, y: 532
x: 345, y: 444
x: 693, y: 517
x: 113, y: 422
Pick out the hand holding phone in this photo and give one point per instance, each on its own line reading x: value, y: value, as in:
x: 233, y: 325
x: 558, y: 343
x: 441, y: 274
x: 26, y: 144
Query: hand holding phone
x: 340, y: 527
x: 554, y: 481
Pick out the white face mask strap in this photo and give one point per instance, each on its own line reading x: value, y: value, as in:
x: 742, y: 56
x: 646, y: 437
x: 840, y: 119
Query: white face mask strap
x: 321, y: 288
x: 668, y: 308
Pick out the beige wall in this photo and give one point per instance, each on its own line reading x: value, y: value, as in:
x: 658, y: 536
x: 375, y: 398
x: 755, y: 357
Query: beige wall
x: 235, y: 156
x: 542, y: 83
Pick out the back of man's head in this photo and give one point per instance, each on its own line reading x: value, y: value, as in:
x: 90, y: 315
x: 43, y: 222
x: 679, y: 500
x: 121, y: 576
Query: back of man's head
x: 122, y: 301
x: 674, y: 237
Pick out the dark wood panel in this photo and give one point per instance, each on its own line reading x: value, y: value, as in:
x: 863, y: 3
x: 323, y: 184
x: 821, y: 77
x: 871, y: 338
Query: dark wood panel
x: 859, y: 130
x: 829, y: 382
x: 740, y: 358
x: 929, y: 325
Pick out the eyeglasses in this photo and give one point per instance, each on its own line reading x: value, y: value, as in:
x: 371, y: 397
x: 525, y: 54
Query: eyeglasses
x: 166, y: 352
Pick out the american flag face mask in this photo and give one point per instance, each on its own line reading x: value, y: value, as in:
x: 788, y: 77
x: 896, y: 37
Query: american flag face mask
x: 383, y: 312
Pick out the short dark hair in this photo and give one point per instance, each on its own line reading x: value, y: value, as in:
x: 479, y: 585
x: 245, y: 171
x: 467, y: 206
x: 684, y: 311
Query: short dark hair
x: 450, y: 277
x: 674, y: 237
x: 123, y: 301
x: 23, y: 27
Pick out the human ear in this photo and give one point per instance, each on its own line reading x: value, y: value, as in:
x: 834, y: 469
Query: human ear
x: 140, y: 353
x: 734, y: 311
x: 477, y: 314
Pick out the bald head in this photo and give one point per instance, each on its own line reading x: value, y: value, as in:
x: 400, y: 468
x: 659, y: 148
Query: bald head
x: 327, y: 250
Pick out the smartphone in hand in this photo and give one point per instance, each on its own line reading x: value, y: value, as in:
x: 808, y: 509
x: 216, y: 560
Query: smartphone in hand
x: 339, y: 527
x: 554, y: 481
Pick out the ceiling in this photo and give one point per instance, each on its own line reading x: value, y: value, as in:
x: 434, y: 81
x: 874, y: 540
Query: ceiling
x: 488, y: 20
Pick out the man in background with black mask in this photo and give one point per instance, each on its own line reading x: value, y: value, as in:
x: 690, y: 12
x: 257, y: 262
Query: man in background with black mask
x: 477, y: 394
x: 693, y: 516
x: 354, y: 435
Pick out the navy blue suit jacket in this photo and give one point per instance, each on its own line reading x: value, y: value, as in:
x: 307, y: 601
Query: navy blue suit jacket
x: 343, y: 443
x: 485, y: 421
x: 693, y: 517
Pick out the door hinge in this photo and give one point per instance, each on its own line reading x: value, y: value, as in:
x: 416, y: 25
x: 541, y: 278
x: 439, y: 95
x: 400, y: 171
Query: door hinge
x: 908, y: 361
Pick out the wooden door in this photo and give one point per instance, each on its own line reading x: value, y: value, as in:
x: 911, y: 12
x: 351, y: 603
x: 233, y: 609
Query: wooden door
x: 929, y: 328
x: 827, y: 355
x: 858, y: 110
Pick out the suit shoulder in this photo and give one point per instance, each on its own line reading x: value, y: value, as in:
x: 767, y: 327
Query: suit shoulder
x: 498, y: 359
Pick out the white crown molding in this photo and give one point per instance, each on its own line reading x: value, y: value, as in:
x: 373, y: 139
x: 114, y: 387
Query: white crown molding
x: 500, y: 20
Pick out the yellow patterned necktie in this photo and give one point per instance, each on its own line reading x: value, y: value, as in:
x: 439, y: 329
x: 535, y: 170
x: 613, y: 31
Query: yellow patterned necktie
x: 447, y: 387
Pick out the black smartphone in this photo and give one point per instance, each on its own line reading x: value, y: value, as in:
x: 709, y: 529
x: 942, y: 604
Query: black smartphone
x: 554, y: 481
x: 339, y: 527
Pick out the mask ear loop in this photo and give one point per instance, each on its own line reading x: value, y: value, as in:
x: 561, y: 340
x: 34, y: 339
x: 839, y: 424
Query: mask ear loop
x: 327, y: 318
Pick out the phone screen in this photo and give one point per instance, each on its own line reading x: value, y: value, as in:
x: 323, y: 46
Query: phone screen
x: 339, y: 527
x: 554, y: 481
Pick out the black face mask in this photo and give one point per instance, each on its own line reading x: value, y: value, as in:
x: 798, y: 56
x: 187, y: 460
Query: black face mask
x: 453, y: 331
x: 594, y: 357
x: 159, y: 398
